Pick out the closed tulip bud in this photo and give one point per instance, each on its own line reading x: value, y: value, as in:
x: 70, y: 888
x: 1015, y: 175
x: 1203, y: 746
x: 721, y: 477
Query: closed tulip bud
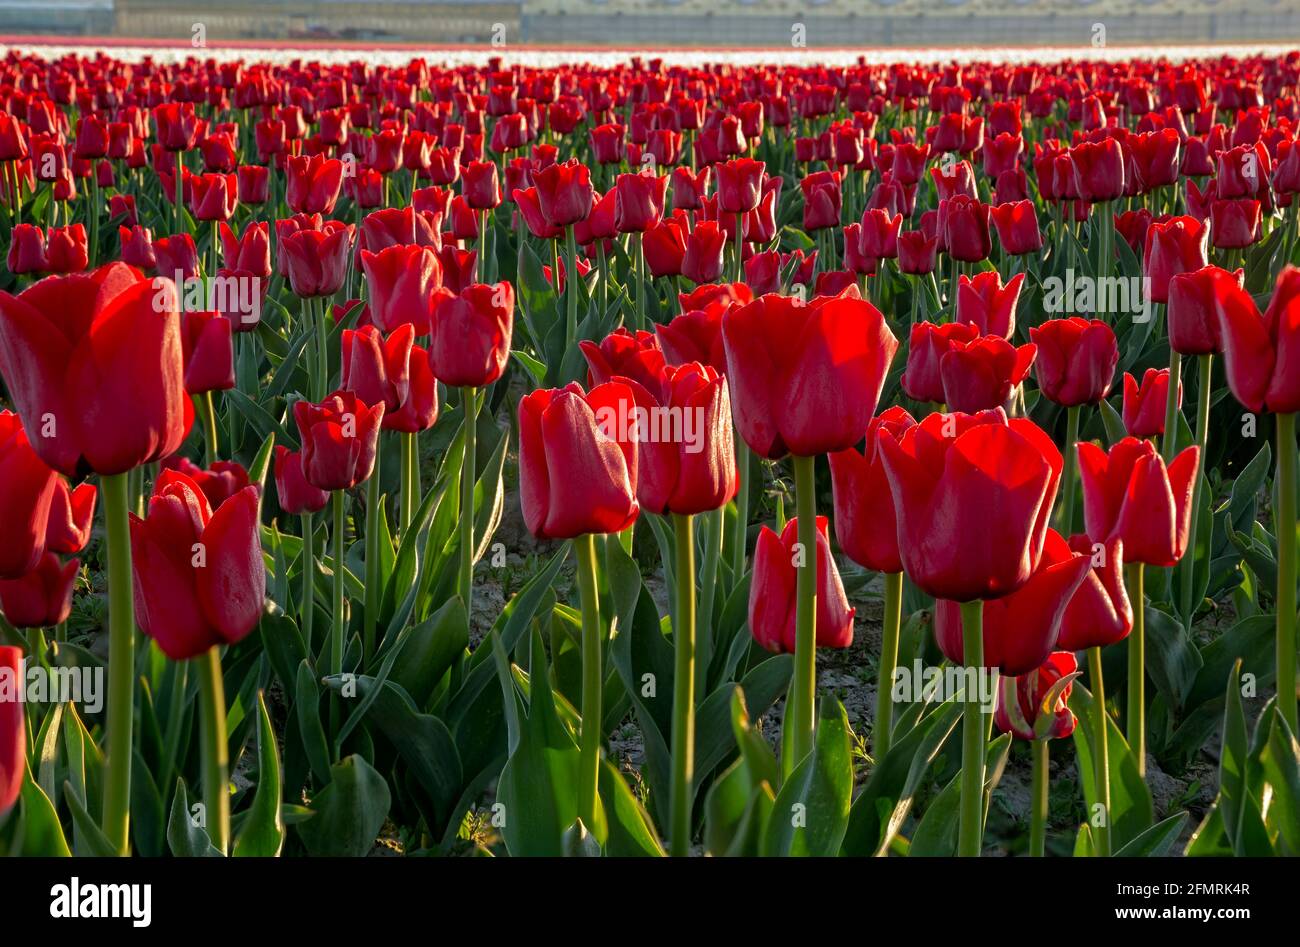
x: 607, y: 143
x: 805, y: 378
x: 965, y: 228
x: 378, y: 369
x: 564, y: 192
x: 1076, y: 360
x: 317, y: 260
x: 577, y: 475
x: 250, y: 252
x: 176, y: 257
x: 880, y: 234
x: 1128, y: 494
x: 985, y: 373
x: 313, y: 183
x: 1175, y: 246
x: 1234, y: 224
x: 41, y: 598
x: 1020, y: 629
x: 823, y: 198
x: 1193, y: 326
x: 1262, y: 353
x: 1144, y: 406
x: 928, y: 344
x: 71, y: 514
x: 137, y: 247
x: 865, y: 522
x: 973, y: 495
x: 13, y: 731
x: 213, y: 196
x: 297, y: 496
x: 27, y: 250
x: 772, y: 591
x: 983, y: 301
x: 1017, y: 226
x: 66, y: 250
x: 339, y: 438
x: 1098, y: 170
x: 703, y: 259
x: 917, y: 252
x: 1100, y: 613
x: 93, y: 364
x: 639, y: 202
x: 199, y: 577
x: 471, y: 331
x: 740, y: 183
x: 252, y: 184
x: 480, y: 187
x: 664, y: 246
x: 207, y: 352
x: 1019, y: 709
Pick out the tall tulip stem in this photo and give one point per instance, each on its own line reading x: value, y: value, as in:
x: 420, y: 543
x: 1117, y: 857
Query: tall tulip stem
x: 592, y: 679
x: 1071, y: 472
x: 1205, y: 363
x: 571, y: 287
x: 410, y: 478
x: 1039, y: 799
x: 337, y: 632
x: 892, y: 620
x: 370, y: 603
x: 208, y: 411
x: 800, y: 712
x: 180, y: 194
x: 212, y: 738
x: 121, y: 663
x: 740, y: 537
x: 1101, y: 769
x: 1286, y: 568
x: 1170, y: 444
x: 307, y: 605
x: 1137, y: 730
x: 970, y: 838
x: 469, y: 402
x: 683, y: 728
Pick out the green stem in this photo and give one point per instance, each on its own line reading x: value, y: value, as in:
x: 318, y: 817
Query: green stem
x: 121, y: 664
x: 370, y: 606
x: 571, y: 287
x: 212, y: 737
x: 884, y: 723
x: 1188, y: 565
x: 1071, y: 469
x: 683, y: 728
x: 337, y: 631
x: 180, y: 194
x: 1286, y: 568
x: 1039, y: 799
x: 592, y: 680
x: 208, y: 411
x: 803, y: 684
x: 970, y: 839
x: 410, y: 479
x: 740, y: 537
x: 638, y: 264
x: 714, y: 524
x: 1137, y: 736
x: 307, y: 605
x: 1171, y: 407
x: 322, y: 349
x: 469, y: 402
x: 739, y: 266
x: 1101, y: 771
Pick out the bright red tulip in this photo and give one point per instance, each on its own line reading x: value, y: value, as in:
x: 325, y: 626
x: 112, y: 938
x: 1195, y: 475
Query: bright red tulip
x: 664, y: 246
x: 1234, y: 224
x: 470, y: 340
x: 404, y: 282
x: 41, y: 598
x: 984, y: 373
x: 378, y: 369
x: 1144, y: 406
x: 639, y: 202
x: 1017, y: 226
x: 702, y: 261
x: 250, y: 252
x: 67, y: 250
x: 865, y: 522
x: 1100, y: 613
x: 1020, y: 716
x: 207, y: 352
x: 71, y: 513
x: 1076, y: 360
x: 927, y: 345
x: 772, y: 592
x: 1262, y: 353
x: 965, y: 228
x: 339, y: 438
x: 1175, y: 246
x: 27, y: 250
x: 624, y: 353
x: 564, y: 192
x: 218, y: 483
x: 297, y: 496
x: 13, y: 731
x: 983, y: 301
x: 1193, y: 326
x: 740, y: 183
x: 481, y: 187
x: 1098, y: 170
x: 313, y: 183
x: 317, y: 260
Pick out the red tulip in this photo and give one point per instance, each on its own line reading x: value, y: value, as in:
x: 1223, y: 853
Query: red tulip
x: 419, y: 408
x: 1262, y: 353
x: 927, y: 345
x: 27, y: 250
x: 1172, y: 247
x: 564, y: 192
x: 339, y: 438
x: 378, y: 369
x: 689, y: 189
x: 822, y: 197
x: 984, y: 373
x: 1155, y: 157
x: 772, y: 592
x: 1076, y: 360
x: 1100, y: 613
x: 880, y: 234
x: 703, y: 260
x: 218, y: 483
x: 27, y: 488
x: 1193, y: 326
x: 740, y: 183
x: 177, y: 258
x: 313, y: 183
x: 623, y: 353
x: 470, y: 341
x: 66, y: 250
x: 607, y: 143
x: 199, y: 576
x: 865, y: 522
x: 207, y: 352
x: 13, y: 732
x: 297, y: 496
x: 1144, y: 407
x: 481, y: 188
x: 213, y: 196
x: 93, y: 364
x: 137, y: 247
x: 1021, y: 716
x: 404, y: 282
x: 965, y: 228
x: 973, y: 494
x: 983, y: 301
x: 177, y: 124
x: 664, y: 246
x: 71, y: 513
x: 252, y: 184
x: 696, y: 335
x: 317, y: 260
x: 1128, y: 494
x: 916, y: 252
x: 1234, y: 224
x: 250, y: 252
x: 41, y: 598
x: 1098, y: 170
x: 638, y: 202
x: 805, y: 378
x: 1017, y: 227
x: 577, y: 475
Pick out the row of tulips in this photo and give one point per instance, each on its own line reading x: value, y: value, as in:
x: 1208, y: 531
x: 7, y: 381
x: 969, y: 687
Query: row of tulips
x: 393, y: 292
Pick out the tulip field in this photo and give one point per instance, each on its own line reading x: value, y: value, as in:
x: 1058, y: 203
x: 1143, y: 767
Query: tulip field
x: 637, y: 457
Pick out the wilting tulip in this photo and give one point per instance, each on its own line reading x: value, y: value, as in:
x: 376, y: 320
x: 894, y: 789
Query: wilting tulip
x: 985, y: 302
x: 207, y: 352
x: 41, y: 598
x: 772, y: 599
x: 865, y: 522
x: 317, y: 260
x: 928, y: 344
x: 973, y: 494
x: 1193, y: 324
x: 339, y: 439
x: 805, y: 378
x: 1076, y: 360
x: 1261, y: 353
x: 1100, y: 613
x: 13, y: 731
x: 577, y: 475
x: 1019, y: 708
x: 471, y: 331
x: 93, y: 364
x: 200, y: 580
x: 313, y: 183
x: 404, y: 281
x: 297, y: 496
x: 1144, y: 406
x: 984, y: 373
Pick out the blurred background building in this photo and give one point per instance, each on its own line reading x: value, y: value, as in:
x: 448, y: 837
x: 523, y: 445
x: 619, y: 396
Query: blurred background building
x: 721, y: 23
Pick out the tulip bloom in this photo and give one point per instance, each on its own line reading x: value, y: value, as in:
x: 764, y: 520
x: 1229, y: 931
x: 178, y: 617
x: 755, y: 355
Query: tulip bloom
x: 1021, y: 716
x: 973, y: 494
x: 137, y: 247
x: 213, y: 196
x: 27, y: 489
x: 297, y: 496
x: 42, y: 597
x: 13, y: 731
x: 1193, y: 323
x: 631, y: 355
x: 983, y: 301
x: 822, y: 198
x: 313, y: 183
x: 865, y: 521
x: 249, y: 252
x: 696, y: 335
x: 664, y: 246
x: 404, y: 282
x: 1100, y: 612
x: 928, y: 344
x: 577, y: 475
x: 67, y: 250
x: 71, y: 512
x: 93, y: 363
x: 638, y: 202
x: 916, y: 252
x: 984, y: 373
x: 200, y: 580
x: 317, y: 260
x: 740, y: 183
x: 481, y: 187
x: 1017, y: 226
x: 1175, y: 246
x: 1261, y: 353
x: 1076, y: 360
x: 207, y: 352
x: 339, y: 439
x: 1098, y: 170
x: 806, y: 378
x: 27, y: 250
x: 564, y: 192
x: 378, y: 369
x: 702, y: 261
x: 772, y: 599
x: 470, y: 340
x: 879, y: 234
x: 965, y: 228
x: 1234, y: 224
x: 1144, y: 406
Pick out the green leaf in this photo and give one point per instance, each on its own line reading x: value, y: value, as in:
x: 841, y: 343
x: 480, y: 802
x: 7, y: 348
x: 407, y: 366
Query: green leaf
x: 262, y: 834
x: 262, y: 462
x: 184, y: 838
x: 40, y: 835
x: 349, y: 812
x: 1131, y: 811
x: 936, y: 833
x: 631, y: 833
x: 1173, y: 660
x: 1156, y: 841
x: 307, y: 710
x: 1281, y: 761
x: 811, y: 811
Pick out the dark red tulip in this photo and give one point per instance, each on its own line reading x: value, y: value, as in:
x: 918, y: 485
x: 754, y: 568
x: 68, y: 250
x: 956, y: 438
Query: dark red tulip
x: 1017, y: 226
x: 213, y: 196
x: 638, y: 202
x: 702, y: 261
x: 176, y: 258
x: 66, y: 249
x: 404, y: 283
x: 805, y: 378
x: 317, y: 260
x: 772, y: 592
x: 93, y: 364
x: 983, y: 301
x: 13, y: 733
x: 480, y: 187
x: 1234, y: 224
x: 689, y: 189
x: 339, y: 438
x: 177, y: 125
x: 470, y: 341
x: 1155, y: 157
x: 564, y: 192
x: 41, y: 598
x: 27, y: 250
x: 928, y: 344
x: 1175, y: 246
x: 1098, y: 170
x: 1262, y: 353
x: 1193, y: 326
x: 378, y: 369
x: 313, y: 183
x: 965, y: 227
x: 71, y: 513
x: 740, y: 183
x: 1019, y: 710
x: 137, y: 247
x: 1144, y: 405
x: 577, y: 475
x: 419, y: 408
x: 973, y: 495
x: 822, y: 199
x: 607, y: 143
x: 252, y: 184
x: 297, y: 496
x: 865, y: 523
x: 199, y: 577
x: 879, y: 237
x: 1076, y: 360
x: 207, y: 352
x: 27, y: 489
x: 1100, y: 613
x: 249, y: 252
x: 916, y: 252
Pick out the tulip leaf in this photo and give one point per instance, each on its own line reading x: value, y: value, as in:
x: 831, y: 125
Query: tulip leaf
x: 39, y: 833
x: 1131, y: 811
x: 1251, y: 641
x: 936, y: 832
x: 186, y: 837
x: 349, y: 811
x: 307, y: 709
x: 1280, y: 758
x: 714, y: 738
x: 148, y: 821
x: 1172, y: 658
x: 434, y: 645
x: 1114, y: 424
x: 262, y: 833
x: 631, y: 832
x: 1083, y: 847
x: 535, y: 367
x: 262, y: 462
x: 259, y: 418
x: 579, y: 843
x: 811, y: 811
x: 1156, y: 841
